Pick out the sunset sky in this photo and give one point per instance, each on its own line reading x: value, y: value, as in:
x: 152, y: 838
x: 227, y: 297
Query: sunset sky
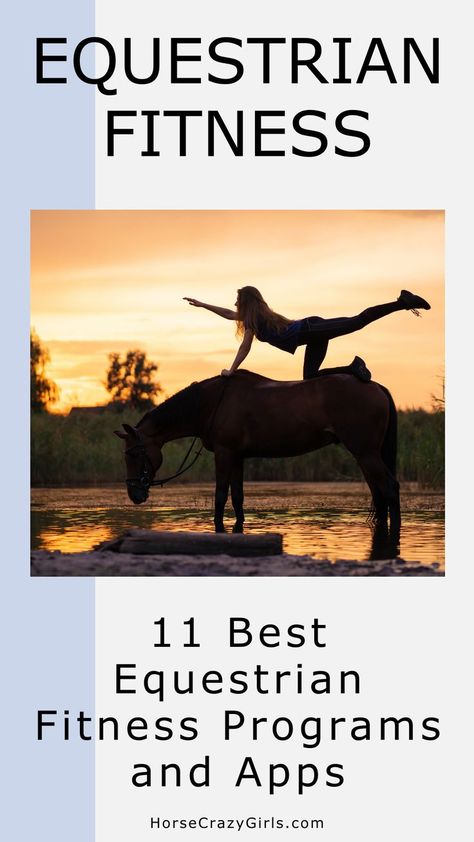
x: 104, y: 281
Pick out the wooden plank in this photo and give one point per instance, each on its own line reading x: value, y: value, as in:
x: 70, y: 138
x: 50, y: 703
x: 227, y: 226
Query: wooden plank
x: 153, y: 542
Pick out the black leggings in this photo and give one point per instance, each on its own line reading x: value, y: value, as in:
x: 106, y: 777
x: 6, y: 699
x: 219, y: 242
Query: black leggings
x: 316, y: 332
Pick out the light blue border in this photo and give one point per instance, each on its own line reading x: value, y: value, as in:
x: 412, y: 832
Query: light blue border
x: 47, y: 634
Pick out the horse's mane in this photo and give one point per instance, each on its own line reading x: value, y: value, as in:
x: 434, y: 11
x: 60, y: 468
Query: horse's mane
x: 189, y: 401
x: 176, y: 408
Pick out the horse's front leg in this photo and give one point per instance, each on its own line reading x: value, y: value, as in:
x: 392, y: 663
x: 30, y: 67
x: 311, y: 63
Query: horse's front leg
x: 237, y: 493
x: 223, y: 463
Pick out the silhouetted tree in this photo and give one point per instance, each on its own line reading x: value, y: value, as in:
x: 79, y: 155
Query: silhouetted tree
x: 43, y: 391
x: 131, y: 380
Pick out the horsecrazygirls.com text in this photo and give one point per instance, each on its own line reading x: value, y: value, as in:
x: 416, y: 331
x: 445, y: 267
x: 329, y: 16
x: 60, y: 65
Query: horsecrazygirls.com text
x: 212, y: 689
x: 226, y: 61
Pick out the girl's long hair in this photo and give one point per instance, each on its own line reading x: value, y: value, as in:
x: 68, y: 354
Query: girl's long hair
x: 253, y: 312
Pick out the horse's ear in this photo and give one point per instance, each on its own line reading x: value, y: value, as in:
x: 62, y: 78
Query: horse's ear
x: 131, y: 431
x: 120, y: 434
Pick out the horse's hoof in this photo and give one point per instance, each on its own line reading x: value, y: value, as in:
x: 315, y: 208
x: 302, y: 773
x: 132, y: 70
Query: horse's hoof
x: 238, y: 528
x: 220, y: 529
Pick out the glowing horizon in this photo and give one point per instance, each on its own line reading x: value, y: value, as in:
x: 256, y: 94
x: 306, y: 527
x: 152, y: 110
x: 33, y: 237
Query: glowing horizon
x: 104, y: 281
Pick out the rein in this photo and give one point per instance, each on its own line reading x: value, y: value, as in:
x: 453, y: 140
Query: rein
x: 144, y: 480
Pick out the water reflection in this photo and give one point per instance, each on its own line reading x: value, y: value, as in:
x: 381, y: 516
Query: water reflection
x: 324, y: 520
x: 385, y: 544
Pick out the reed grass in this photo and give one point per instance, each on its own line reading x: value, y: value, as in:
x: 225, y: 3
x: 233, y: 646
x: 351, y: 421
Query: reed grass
x: 78, y: 449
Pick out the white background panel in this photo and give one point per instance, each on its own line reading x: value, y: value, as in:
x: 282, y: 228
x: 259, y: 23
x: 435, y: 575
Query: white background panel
x: 407, y: 637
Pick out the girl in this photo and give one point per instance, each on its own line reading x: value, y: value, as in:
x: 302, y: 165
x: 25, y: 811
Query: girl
x: 255, y: 319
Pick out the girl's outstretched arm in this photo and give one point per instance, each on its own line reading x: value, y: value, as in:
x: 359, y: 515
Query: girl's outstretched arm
x: 243, y: 351
x: 220, y: 311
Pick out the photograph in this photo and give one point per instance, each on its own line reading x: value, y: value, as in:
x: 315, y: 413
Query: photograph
x: 237, y: 393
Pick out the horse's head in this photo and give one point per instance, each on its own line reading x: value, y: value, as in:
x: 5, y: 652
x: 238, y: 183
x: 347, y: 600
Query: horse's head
x: 142, y: 461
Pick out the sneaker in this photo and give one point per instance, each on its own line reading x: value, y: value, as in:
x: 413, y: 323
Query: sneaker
x: 413, y: 302
x: 359, y: 369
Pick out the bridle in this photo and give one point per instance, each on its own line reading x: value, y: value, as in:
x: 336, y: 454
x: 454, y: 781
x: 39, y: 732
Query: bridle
x: 144, y: 481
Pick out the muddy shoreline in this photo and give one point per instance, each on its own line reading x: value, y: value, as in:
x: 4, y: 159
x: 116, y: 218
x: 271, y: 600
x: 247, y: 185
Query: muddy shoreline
x: 106, y: 563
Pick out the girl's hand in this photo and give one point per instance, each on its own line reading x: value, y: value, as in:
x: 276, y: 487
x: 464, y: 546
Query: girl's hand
x: 193, y: 301
x: 226, y: 372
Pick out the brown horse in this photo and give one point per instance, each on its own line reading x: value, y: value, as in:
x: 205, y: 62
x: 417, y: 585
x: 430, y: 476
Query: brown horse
x: 249, y: 415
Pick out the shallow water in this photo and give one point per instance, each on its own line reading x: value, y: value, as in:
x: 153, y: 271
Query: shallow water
x: 323, y: 520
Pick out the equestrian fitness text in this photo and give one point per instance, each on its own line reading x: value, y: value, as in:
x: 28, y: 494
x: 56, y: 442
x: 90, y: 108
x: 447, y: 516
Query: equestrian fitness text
x: 270, y: 63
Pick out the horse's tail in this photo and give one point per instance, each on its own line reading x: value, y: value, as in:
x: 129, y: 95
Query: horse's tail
x: 389, y: 446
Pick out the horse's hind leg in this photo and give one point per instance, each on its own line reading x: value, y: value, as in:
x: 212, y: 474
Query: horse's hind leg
x: 384, y: 488
x: 237, y: 493
x: 379, y: 512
